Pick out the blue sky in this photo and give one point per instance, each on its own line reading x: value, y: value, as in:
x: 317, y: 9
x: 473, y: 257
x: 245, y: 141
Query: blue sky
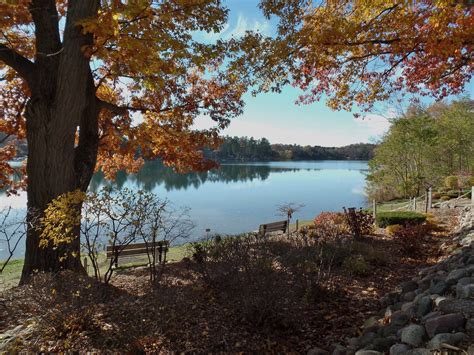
x: 276, y: 117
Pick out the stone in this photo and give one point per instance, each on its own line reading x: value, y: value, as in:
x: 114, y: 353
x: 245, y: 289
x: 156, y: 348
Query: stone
x: 444, y: 324
x: 409, y: 286
x: 368, y: 352
x: 409, y: 296
x: 465, y: 291
x: 390, y: 329
x: 339, y: 350
x: 448, y: 338
x: 455, y: 275
x: 383, y: 344
x: 399, y: 318
x: 413, y: 334
x: 430, y: 315
x: 367, y: 338
x: 409, y: 308
x: 420, y: 351
x: 318, y: 351
x: 470, y: 326
x: 465, y: 306
x: 399, y: 349
x: 424, y: 306
x: 439, y: 288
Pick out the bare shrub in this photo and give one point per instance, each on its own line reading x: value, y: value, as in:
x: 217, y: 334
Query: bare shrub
x: 360, y: 222
x: 265, y: 277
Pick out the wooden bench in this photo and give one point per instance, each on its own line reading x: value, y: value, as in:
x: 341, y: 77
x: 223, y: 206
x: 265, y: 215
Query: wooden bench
x: 273, y: 227
x: 130, y: 250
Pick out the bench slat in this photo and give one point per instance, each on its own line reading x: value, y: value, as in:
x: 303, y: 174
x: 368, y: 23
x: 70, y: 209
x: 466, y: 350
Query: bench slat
x: 131, y: 252
x: 139, y: 245
x: 279, y: 223
x: 273, y: 227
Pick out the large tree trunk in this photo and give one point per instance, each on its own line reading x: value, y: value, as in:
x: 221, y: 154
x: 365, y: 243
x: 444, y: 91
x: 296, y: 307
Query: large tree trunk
x: 63, y: 104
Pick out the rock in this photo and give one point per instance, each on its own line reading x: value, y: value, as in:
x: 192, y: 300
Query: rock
x: 470, y: 326
x: 420, y: 351
x: 399, y: 349
x: 368, y: 352
x: 465, y: 291
x: 318, y: 351
x: 390, y: 329
x: 413, y: 334
x: 367, y: 338
x: 409, y: 308
x: 430, y: 315
x: 339, y: 350
x: 439, y: 288
x: 455, y: 275
x: 399, y: 318
x: 409, y: 296
x: 465, y: 306
x: 383, y: 344
x: 424, y: 306
x: 448, y: 338
x: 409, y: 286
x: 444, y: 324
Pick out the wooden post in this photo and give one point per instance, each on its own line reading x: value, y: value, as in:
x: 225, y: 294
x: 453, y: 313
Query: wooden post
x: 414, y: 203
x: 430, y: 199
x: 426, y: 201
x: 374, y: 209
x: 472, y: 195
x: 297, y: 222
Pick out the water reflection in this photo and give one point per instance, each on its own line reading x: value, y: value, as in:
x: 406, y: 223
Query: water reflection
x: 155, y: 174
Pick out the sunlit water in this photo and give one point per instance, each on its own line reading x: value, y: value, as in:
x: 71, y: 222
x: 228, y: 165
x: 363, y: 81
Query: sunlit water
x: 239, y: 197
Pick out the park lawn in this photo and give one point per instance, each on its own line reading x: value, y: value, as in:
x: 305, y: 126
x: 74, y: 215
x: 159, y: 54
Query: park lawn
x: 11, y: 275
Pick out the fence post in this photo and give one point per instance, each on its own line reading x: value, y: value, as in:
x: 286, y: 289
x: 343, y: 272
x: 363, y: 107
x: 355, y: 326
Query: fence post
x: 472, y: 195
x: 430, y: 199
x: 414, y: 204
x: 297, y: 222
x: 374, y: 209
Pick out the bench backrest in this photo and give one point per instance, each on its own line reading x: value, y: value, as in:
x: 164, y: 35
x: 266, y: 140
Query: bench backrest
x: 273, y: 227
x: 135, y: 249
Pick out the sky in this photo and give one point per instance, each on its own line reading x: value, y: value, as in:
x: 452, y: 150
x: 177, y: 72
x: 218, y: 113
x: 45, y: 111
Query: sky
x: 277, y: 117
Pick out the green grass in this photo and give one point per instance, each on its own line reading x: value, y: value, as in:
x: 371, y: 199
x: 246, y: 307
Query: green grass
x: 11, y: 275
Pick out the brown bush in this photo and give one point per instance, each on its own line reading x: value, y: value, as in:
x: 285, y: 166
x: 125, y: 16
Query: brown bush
x: 265, y: 279
x: 410, y: 238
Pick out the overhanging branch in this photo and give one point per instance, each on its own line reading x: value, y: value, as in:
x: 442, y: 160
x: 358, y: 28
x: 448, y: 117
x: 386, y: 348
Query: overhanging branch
x: 23, y: 66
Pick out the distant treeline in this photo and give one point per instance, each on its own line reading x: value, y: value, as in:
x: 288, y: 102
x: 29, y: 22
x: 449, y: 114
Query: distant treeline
x: 250, y: 149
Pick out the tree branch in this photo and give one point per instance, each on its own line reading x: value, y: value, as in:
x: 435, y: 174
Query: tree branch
x: 23, y: 66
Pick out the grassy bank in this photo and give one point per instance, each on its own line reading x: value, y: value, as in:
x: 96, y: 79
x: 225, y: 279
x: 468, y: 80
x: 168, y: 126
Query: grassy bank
x: 11, y: 275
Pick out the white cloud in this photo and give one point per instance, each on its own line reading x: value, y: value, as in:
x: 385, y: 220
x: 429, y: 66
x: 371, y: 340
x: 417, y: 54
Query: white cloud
x: 376, y: 125
x: 242, y: 25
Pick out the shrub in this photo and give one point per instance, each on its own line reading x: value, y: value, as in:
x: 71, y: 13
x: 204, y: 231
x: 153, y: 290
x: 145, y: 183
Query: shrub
x: 330, y: 225
x: 360, y: 222
x: 385, y: 219
x: 265, y: 278
x: 451, y: 182
x: 393, y: 228
x: 356, y: 265
x: 410, y: 238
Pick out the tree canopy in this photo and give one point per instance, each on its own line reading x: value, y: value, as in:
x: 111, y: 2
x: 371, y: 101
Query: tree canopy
x: 422, y: 148
x: 359, y: 52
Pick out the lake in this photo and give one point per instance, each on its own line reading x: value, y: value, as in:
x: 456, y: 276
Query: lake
x: 239, y: 197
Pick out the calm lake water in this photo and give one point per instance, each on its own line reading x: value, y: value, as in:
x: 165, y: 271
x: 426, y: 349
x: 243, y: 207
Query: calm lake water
x: 239, y: 197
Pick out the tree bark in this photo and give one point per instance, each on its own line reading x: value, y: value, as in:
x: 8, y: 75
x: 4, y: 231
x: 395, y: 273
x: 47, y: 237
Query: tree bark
x: 63, y: 105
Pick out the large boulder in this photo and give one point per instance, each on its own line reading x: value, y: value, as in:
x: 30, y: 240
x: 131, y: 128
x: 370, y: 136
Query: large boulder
x: 444, y: 324
x: 465, y: 306
x: 413, y: 334
x: 446, y: 338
